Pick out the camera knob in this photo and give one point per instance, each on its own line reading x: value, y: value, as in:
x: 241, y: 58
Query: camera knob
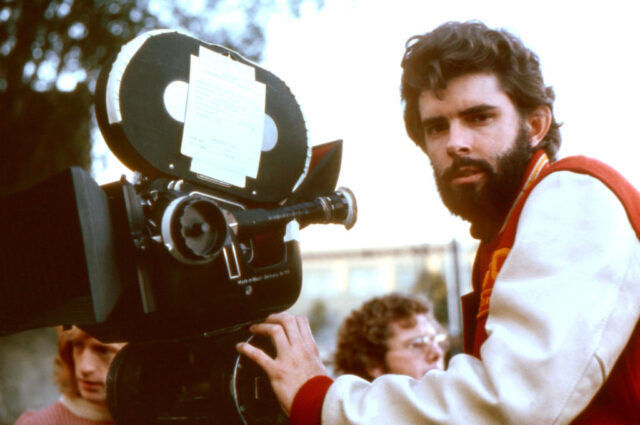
x: 194, y: 229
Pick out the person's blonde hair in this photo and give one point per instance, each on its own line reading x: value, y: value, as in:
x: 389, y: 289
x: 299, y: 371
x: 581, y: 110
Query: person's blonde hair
x: 64, y: 366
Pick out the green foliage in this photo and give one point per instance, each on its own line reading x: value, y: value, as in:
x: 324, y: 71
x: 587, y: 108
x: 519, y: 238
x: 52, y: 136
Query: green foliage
x: 318, y: 315
x: 51, y: 52
x: 434, y: 287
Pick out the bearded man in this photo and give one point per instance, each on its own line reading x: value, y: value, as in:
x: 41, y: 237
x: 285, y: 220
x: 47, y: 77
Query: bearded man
x: 550, y: 327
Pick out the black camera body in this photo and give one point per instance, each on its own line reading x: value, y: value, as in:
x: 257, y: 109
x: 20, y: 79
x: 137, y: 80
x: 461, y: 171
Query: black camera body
x: 202, y: 243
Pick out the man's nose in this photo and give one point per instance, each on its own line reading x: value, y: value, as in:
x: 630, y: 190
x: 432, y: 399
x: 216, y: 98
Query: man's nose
x: 460, y: 140
x: 434, y: 352
x: 86, y: 363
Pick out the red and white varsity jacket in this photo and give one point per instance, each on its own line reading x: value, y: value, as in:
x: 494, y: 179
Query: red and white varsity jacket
x: 551, y: 338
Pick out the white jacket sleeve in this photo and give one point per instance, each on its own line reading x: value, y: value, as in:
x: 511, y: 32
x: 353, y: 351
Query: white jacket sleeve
x: 562, y: 309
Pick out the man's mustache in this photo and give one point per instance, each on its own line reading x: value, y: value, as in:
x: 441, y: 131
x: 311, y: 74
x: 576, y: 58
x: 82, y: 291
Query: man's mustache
x: 459, y: 162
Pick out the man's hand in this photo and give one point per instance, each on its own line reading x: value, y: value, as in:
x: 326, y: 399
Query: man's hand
x: 297, y: 358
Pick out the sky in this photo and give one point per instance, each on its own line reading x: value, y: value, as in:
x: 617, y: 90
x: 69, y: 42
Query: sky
x: 342, y: 64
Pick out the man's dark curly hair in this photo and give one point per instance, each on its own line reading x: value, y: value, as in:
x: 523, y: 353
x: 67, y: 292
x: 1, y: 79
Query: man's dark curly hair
x: 362, y: 338
x: 459, y: 48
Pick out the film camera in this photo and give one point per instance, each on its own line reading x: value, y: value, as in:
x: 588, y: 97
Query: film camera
x: 202, y: 243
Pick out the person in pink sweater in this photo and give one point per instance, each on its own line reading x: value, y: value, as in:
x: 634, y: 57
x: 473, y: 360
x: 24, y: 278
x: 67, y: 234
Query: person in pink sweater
x: 80, y: 371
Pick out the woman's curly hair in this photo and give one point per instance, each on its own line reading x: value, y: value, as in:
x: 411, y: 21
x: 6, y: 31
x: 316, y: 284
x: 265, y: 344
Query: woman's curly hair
x: 460, y: 48
x: 362, y: 338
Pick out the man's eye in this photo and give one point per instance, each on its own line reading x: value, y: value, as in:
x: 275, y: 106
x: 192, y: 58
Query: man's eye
x: 104, y: 350
x: 417, y: 345
x: 480, y: 118
x: 434, y: 130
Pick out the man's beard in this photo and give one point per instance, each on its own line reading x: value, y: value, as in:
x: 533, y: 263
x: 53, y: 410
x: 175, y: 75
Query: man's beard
x: 485, y: 207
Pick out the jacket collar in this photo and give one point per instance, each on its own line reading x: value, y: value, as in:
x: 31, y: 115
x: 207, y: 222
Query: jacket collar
x: 538, y: 162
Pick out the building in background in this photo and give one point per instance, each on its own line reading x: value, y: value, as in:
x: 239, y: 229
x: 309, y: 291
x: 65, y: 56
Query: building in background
x: 26, y: 372
x: 336, y: 282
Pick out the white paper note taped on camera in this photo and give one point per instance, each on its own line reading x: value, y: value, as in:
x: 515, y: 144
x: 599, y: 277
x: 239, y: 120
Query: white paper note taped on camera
x: 224, y: 119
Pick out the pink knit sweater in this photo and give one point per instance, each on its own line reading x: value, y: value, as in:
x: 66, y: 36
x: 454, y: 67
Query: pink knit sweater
x: 60, y: 413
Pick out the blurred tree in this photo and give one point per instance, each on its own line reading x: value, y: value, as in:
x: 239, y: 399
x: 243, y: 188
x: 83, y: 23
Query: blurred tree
x: 434, y: 287
x: 317, y: 315
x: 51, y: 52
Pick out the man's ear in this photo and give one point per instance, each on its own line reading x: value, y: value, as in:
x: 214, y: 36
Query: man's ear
x: 538, y: 124
x: 375, y: 371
